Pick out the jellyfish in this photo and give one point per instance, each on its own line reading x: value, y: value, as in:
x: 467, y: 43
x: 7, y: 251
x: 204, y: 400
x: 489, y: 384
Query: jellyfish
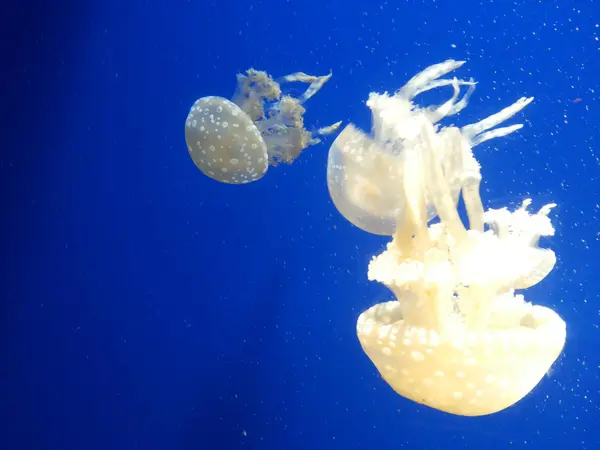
x: 458, y: 337
x: 235, y: 141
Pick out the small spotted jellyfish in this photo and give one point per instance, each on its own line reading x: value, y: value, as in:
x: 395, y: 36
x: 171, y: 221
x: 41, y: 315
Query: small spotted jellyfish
x: 458, y: 337
x: 235, y: 141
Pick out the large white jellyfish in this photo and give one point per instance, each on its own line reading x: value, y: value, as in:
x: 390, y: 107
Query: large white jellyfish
x: 457, y: 337
x: 234, y: 141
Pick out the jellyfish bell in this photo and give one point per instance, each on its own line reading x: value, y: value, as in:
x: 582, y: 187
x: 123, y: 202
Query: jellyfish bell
x: 235, y: 141
x: 224, y: 143
x: 457, y: 337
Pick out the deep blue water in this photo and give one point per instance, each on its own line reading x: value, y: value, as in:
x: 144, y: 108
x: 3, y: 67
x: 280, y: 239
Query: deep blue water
x: 145, y: 306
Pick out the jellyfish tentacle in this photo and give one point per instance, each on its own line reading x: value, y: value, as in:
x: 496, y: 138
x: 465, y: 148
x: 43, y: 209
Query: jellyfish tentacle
x: 475, y: 132
x: 470, y: 182
x: 435, y: 114
x: 314, y: 87
x: 428, y: 78
x: 315, y: 83
x: 438, y: 187
x: 452, y: 106
x: 330, y: 129
x: 463, y: 102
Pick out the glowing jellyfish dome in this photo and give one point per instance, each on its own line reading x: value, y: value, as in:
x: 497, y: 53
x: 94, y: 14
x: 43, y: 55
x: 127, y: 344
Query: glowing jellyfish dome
x: 457, y: 337
x: 235, y: 141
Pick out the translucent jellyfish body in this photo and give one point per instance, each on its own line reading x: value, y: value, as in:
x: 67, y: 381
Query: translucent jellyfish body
x: 457, y: 338
x: 363, y: 171
x: 235, y: 141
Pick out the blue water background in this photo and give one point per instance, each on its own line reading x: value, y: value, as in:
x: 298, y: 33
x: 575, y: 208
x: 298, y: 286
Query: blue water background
x: 145, y: 306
